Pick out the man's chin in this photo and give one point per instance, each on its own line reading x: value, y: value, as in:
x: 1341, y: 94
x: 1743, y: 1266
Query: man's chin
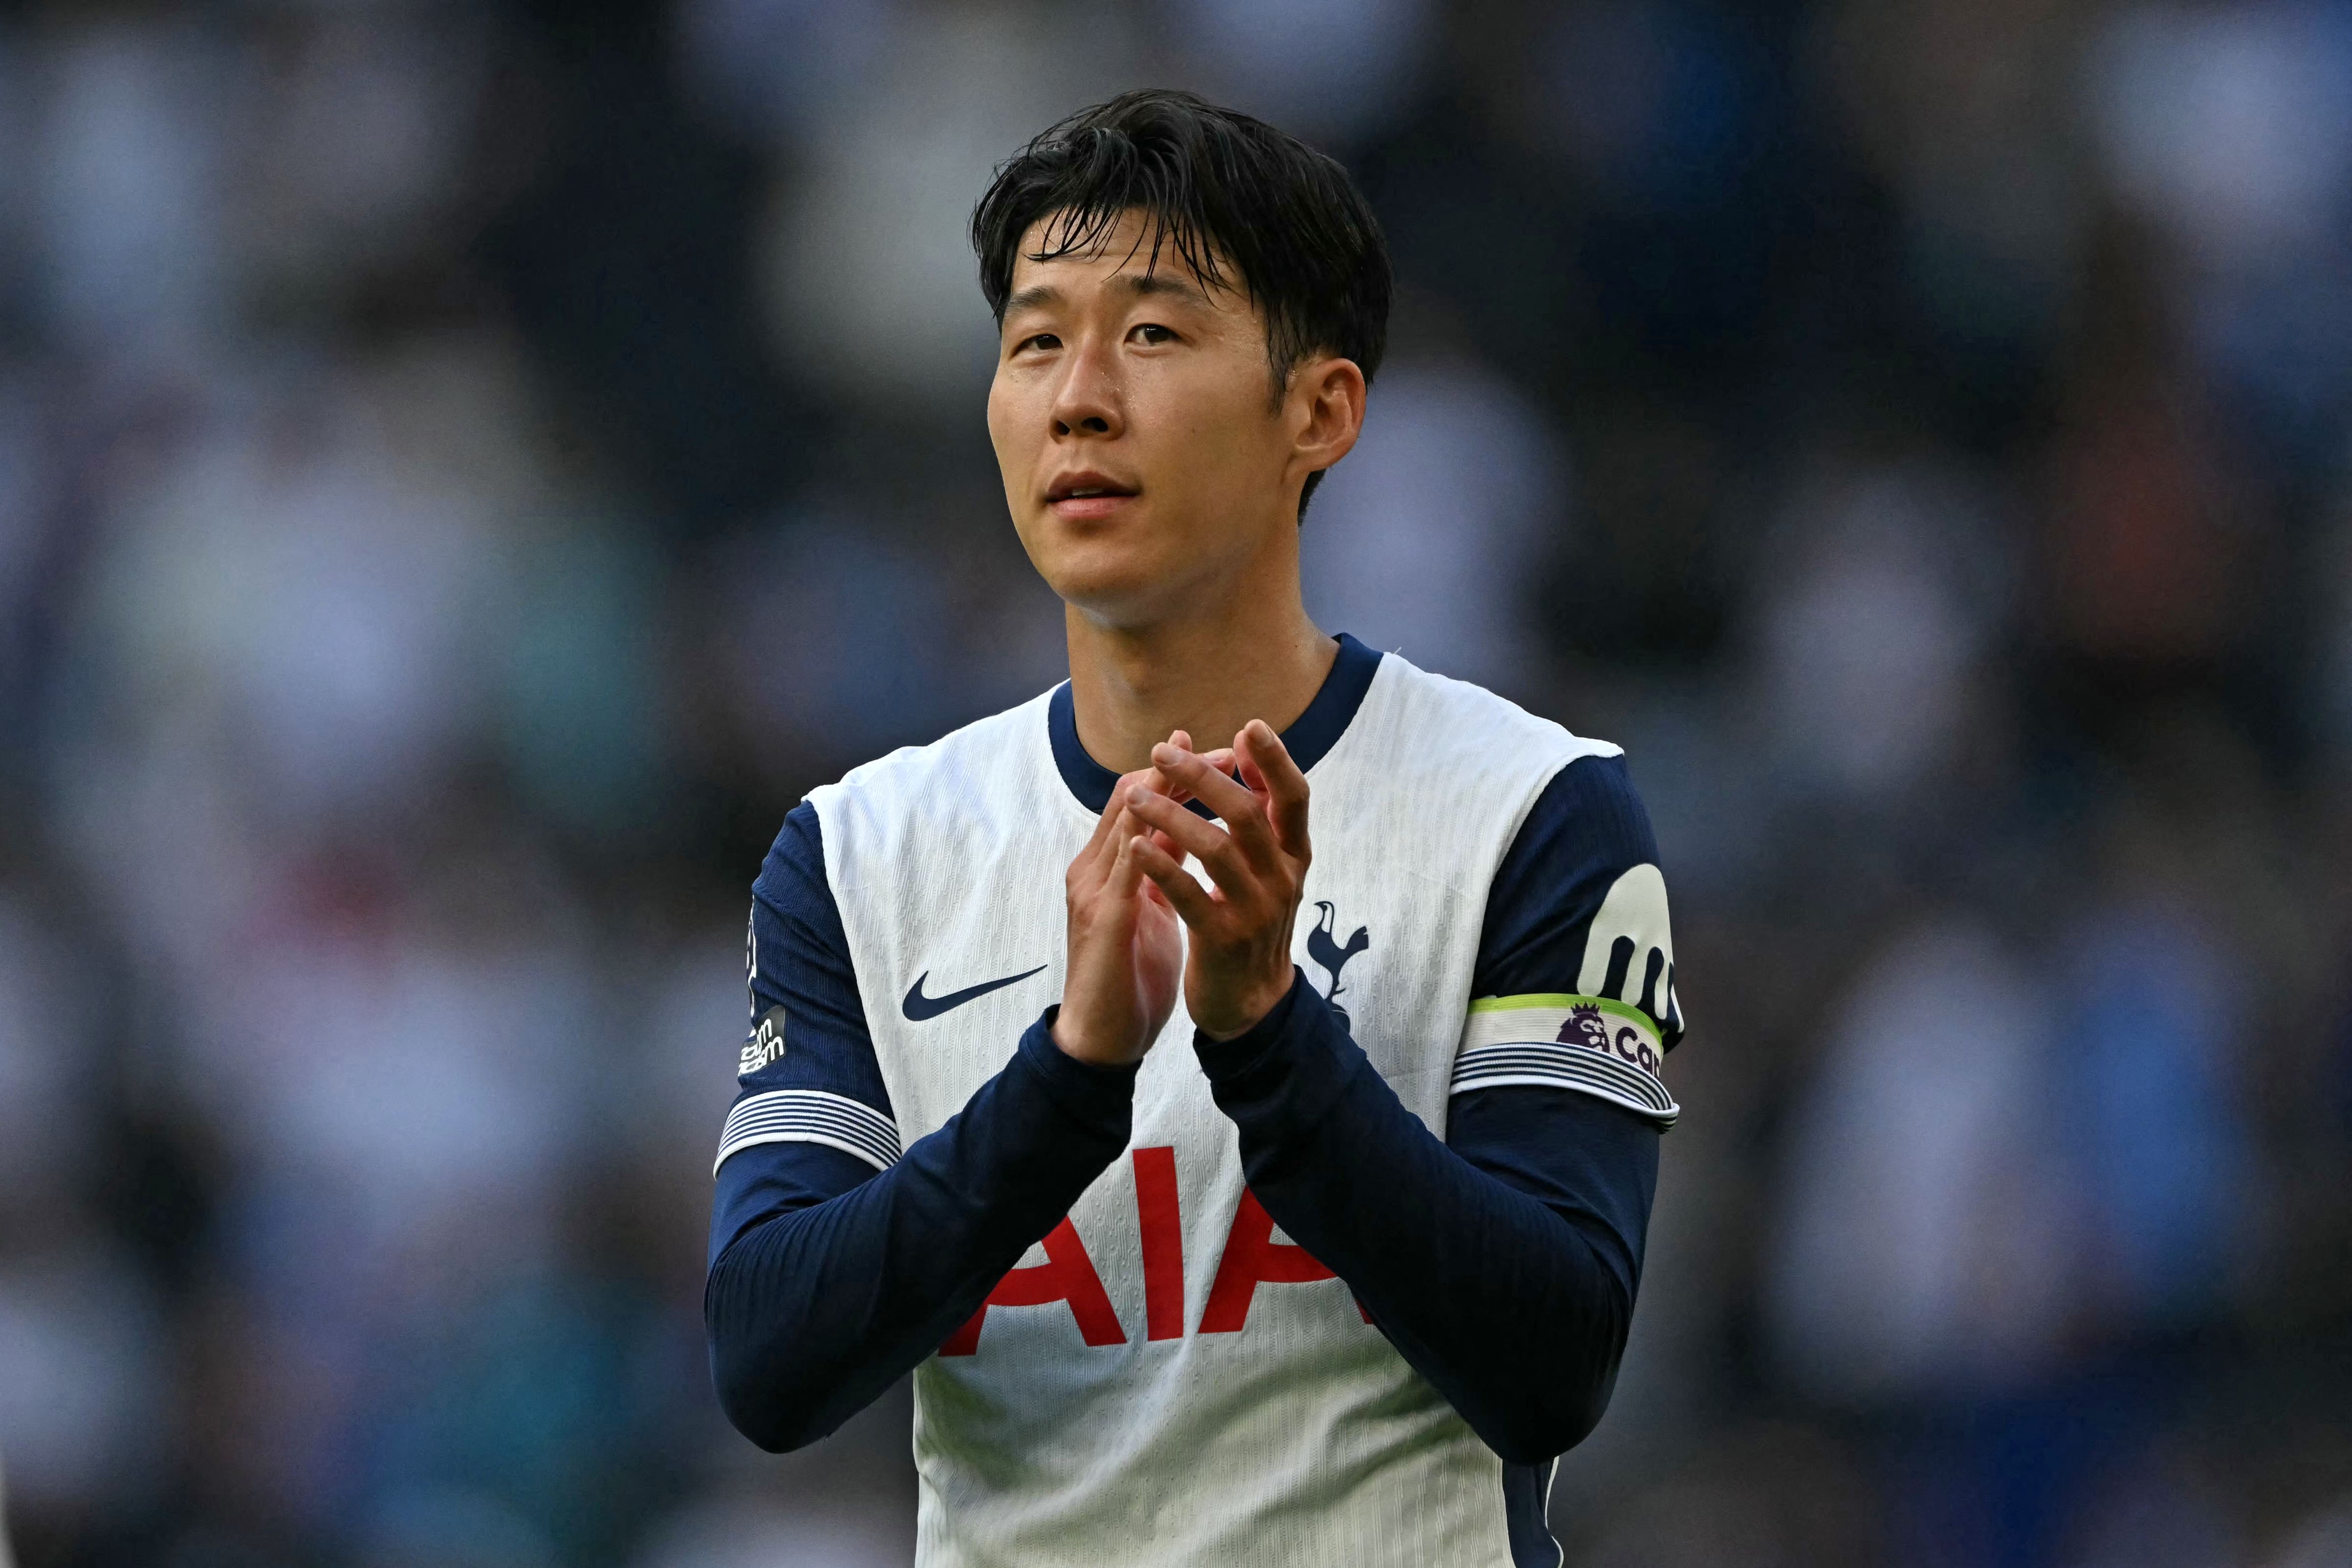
x: 1112, y: 582
x: 1125, y: 599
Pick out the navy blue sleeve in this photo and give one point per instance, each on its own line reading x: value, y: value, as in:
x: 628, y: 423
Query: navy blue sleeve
x: 811, y: 1118
x: 1503, y: 1262
x: 837, y: 1262
x: 1593, y: 1159
x: 1566, y: 869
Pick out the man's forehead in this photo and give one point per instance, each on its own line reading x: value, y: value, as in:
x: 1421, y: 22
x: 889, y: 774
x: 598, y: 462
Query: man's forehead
x: 1133, y: 254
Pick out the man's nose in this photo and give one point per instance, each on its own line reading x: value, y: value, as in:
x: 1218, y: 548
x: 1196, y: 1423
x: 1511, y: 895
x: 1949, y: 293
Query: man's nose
x: 1087, y: 401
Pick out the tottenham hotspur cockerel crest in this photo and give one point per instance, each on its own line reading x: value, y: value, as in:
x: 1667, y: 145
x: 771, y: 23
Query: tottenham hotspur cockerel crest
x: 1330, y: 957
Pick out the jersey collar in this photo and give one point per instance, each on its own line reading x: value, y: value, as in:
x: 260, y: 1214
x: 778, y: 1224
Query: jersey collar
x: 1312, y: 734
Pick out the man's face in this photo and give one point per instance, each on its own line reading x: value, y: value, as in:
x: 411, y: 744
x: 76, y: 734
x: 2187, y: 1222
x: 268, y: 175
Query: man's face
x: 1146, y: 462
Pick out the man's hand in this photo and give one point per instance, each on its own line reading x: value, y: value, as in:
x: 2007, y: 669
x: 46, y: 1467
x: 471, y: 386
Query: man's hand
x: 1126, y: 954
x: 1239, y: 964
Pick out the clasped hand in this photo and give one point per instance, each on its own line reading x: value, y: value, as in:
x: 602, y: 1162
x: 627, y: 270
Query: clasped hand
x: 1128, y: 890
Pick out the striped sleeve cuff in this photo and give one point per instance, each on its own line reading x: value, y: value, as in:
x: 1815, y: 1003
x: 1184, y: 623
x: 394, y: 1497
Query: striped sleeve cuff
x: 1593, y: 1045
x: 810, y: 1116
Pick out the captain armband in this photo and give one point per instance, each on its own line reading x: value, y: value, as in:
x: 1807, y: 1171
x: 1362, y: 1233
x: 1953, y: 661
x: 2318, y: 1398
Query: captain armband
x: 1592, y: 1045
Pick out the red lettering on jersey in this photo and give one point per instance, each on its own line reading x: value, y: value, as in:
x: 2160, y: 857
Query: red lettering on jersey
x: 1066, y: 1275
x: 1253, y: 1256
x: 1161, y: 1222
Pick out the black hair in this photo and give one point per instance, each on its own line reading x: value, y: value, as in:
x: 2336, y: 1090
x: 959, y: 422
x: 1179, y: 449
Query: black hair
x: 1221, y: 189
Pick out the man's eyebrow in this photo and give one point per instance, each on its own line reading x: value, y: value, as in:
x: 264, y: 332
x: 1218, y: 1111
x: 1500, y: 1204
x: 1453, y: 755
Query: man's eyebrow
x: 1028, y: 299
x: 1142, y: 284
x: 1150, y: 283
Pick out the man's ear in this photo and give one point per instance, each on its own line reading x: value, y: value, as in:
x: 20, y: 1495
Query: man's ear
x: 1325, y: 406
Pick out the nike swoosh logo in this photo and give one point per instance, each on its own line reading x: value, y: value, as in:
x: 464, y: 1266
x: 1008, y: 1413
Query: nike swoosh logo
x: 918, y: 1006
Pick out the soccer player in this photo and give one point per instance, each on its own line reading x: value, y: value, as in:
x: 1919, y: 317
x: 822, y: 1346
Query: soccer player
x: 1229, y: 1080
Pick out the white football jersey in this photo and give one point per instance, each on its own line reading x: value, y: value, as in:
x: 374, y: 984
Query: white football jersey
x: 1165, y: 1380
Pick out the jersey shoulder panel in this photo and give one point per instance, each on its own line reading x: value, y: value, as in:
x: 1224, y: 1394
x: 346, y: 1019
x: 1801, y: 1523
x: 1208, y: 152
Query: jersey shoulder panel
x: 963, y: 773
x: 1440, y: 735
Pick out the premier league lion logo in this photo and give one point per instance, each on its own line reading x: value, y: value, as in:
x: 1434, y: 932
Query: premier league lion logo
x: 1584, y: 1027
x: 1587, y: 1027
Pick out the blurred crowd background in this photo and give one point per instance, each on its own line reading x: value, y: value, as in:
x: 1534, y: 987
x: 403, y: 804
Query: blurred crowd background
x: 465, y: 470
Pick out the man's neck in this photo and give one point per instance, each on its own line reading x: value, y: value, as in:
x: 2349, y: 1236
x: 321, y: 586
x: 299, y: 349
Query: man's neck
x: 1208, y: 675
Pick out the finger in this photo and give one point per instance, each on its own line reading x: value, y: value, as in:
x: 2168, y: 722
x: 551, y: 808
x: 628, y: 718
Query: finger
x: 1221, y: 760
x: 1142, y: 784
x: 1240, y: 809
x: 1160, y: 841
x: 1169, y: 788
x: 1093, y: 863
x: 1235, y: 881
x: 1169, y: 784
x: 1133, y: 823
x: 1191, y: 834
x: 1252, y: 778
x: 1285, y: 786
x: 1150, y: 784
x: 1193, y: 905
x: 1107, y: 822
x: 1180, y: 739
x: 1126, y: 876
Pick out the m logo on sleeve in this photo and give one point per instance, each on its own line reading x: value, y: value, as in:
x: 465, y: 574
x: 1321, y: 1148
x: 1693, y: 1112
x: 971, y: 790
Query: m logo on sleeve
x: 1629, y: 954
x: 766, y: 1045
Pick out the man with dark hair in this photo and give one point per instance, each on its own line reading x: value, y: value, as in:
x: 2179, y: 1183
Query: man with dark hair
x: 1203, y: 1262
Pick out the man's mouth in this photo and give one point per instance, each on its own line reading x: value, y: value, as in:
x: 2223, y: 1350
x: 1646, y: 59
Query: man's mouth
x: 1085, y: 487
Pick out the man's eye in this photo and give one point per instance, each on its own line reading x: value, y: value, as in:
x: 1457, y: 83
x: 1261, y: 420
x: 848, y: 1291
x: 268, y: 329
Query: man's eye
x: 1040, y: 341
x: 1152, y: 332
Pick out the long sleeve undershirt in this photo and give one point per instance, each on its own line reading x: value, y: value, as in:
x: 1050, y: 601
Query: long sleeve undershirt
x: 1506, y: 1280
x: 831, y: 1282
x: 1511, y: 1290
x: 1502, y: 1262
